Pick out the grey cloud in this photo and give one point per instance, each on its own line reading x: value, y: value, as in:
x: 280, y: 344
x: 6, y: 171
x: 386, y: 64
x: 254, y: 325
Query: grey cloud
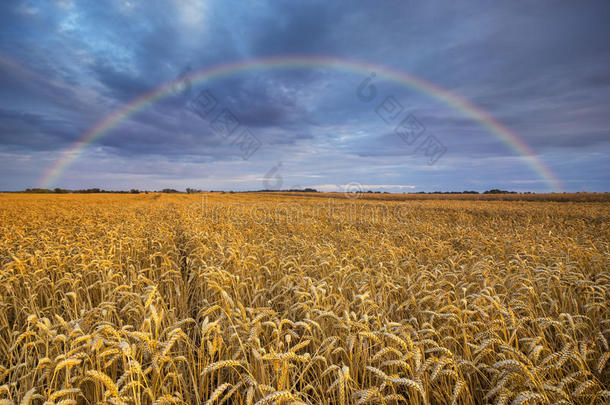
x: 537, y: 67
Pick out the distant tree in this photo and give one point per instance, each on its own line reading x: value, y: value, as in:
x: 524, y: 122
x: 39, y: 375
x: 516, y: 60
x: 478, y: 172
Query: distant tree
x: 38, y: 190
x: 134, y: 191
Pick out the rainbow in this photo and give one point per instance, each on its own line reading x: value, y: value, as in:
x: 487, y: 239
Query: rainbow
x: 51, y: 175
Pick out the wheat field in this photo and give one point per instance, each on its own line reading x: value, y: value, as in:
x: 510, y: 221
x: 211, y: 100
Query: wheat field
x: 270, y: 298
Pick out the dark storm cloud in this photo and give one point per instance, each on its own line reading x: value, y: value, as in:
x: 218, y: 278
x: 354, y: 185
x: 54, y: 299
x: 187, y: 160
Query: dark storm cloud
x: 118, y: 85
x: 297, y: 28
x: 27, y: 131
x: 540, y: 68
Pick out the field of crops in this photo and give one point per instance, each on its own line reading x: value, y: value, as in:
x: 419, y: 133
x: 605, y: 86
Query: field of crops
x: 268, y: 299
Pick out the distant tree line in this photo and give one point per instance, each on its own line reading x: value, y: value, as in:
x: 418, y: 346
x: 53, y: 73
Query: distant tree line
x: 193, y: 190
x: 496, y: 191
x: 290, y: 190
x: 87, y: 191
x: 492, y: 191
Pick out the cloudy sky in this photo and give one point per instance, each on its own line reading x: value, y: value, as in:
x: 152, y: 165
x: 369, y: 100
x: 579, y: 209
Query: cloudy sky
x: 541, y: 69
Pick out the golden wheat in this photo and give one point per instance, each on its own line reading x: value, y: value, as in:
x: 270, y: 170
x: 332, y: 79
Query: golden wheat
x: 316, y: 299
